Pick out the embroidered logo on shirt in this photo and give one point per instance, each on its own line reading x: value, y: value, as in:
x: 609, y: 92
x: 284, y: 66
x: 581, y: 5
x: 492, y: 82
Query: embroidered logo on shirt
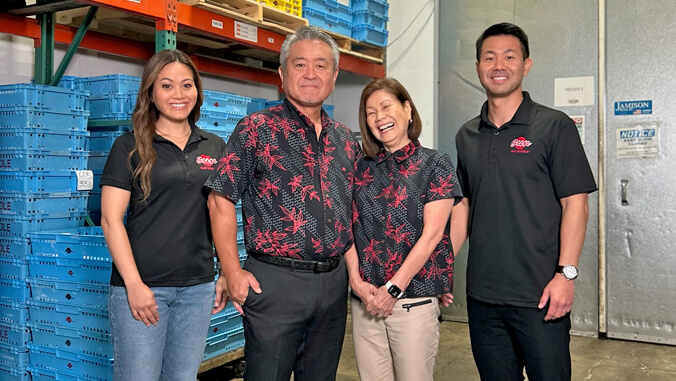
x: 207, y: 162
x: 520, y: 143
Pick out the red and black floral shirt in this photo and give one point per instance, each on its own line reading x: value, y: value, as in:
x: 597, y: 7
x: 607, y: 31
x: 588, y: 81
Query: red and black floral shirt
x: 296, y: 188
x: 390, y: 193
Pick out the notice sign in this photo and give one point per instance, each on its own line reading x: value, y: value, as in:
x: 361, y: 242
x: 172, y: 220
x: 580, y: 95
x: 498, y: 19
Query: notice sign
x: 246, y: 32
x: 634, y: 108
x: 574, y: 91
x: 579, y: 123
x: 638, y: 141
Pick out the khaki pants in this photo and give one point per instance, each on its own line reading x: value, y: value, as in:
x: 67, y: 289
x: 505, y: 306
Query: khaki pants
x: 401, y: 347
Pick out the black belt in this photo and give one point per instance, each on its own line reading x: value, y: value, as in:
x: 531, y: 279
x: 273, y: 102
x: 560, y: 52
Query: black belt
x: 299, y: 264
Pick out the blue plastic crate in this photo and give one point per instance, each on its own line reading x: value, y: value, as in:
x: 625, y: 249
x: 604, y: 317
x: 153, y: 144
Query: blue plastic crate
x: 379, y: 7
x: 224, y: 321
x: 47, y: 98
x: 86, y: 243
x: 234, y: 104
x: 370, y: 18
x: 111, y: 106
x: 38, y: 181
x: 14, y: 291
x: 71, y: 363
x: 43, y: 139
x: 97, y: 180
x: 223, y: 134
x: 89, y: 343
x: 331, y: 8
x: 16, y: 334
x: 14, y: 374
x: 218, y: 120
x: 14, y: 247
x: 223, y: 343
x: 14, y: 269
x: 74, y: 293
x: 13, y: 312
x: 65, y: 315
x: 39, y: 374
x: 31, y: 117
x: 102, y: 140
x: 22, y: 224
x: 97, y: 161
x: 106, y: 84
x: 70, y: 270
x: 123, y: 126
x: 329, y: 110
x: 94, y: 204
x: 32, y: 203
x: 37, y: 160
x: 255, y: 104
x: 68, y: 81
x: 369, y: 34
x: 327, y: 21
x: 13, y: 356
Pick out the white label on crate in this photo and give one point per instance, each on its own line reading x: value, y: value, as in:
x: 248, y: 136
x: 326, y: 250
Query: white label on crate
x: 85, y: 180
x: 344, y: 2
x: 217, y: 24
x: 246, y: 32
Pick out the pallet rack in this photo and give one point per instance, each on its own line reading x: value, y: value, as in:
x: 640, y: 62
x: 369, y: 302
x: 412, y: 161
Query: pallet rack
x: 172, y: 20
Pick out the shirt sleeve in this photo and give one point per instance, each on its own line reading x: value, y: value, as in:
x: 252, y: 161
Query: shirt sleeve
x: 237, y: 164
x: 443, y: 182
x: 569, y: 169
x: 117, y: 171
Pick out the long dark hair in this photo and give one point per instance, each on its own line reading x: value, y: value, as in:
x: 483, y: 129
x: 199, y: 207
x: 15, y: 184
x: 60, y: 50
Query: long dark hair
x: 146, y: 113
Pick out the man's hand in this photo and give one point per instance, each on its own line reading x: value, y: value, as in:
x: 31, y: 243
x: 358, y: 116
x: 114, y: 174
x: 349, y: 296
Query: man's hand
x: 364, y: 290
x: 561, y: 293
x: 238, y: 282
x: 445, y: 299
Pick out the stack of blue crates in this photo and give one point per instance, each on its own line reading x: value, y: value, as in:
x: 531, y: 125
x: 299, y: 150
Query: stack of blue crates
x: 329, y: 15
x: 370, y: 21
x: 220, y: 112
x: 68, y: 318
x: 42, y: 145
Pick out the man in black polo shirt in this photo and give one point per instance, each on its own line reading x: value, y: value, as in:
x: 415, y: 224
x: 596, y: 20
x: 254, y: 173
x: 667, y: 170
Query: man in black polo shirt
x: 292, y: 166
x: 526, y: 178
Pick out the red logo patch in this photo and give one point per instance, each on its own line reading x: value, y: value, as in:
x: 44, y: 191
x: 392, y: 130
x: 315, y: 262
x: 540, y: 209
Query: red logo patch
x: 206, y: 160
x: 520, y: 143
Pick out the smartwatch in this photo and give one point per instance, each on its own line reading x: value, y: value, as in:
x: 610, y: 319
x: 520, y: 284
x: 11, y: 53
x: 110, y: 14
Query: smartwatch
x: 568, y: 271
x: 394, y: 290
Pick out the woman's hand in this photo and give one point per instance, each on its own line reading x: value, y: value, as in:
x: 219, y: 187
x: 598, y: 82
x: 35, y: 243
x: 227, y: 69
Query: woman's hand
x: 221, y: 295
x: 142, y: 303
x: 364, y: 290
x: 382, y: 303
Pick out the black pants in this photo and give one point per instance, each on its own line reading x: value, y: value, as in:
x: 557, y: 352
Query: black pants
x: 506, y: 338
x: 296, y: 324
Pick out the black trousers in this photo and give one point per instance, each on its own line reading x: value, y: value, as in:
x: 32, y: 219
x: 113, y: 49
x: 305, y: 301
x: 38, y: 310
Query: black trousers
x: 296, y: 324
x: 506, y: 338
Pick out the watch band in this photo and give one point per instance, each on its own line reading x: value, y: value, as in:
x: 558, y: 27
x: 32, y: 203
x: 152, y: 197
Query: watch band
x: 394, y: 290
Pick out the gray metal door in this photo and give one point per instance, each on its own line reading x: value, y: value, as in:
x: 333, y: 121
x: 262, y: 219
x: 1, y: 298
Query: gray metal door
x: 640, y: 166
x: 564, y: 43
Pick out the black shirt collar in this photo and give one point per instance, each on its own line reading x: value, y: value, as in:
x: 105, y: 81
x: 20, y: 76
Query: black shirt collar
x: 525, y: 114
x: 196, y: 134
x: 301, y: 118
x: 401, y: 154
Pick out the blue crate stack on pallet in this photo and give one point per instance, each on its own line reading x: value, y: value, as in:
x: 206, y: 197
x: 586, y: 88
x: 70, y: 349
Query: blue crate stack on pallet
x: 42, y: 148
x: 112, y: 99
x: 369, y: 20
x: 68, y: 317
x: 329, y: 15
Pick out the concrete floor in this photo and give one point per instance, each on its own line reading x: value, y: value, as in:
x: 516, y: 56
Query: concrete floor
x: 593, y: 359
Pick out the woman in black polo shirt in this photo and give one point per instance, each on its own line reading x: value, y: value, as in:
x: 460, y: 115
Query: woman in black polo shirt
x: 162, y: 288
x: 403, y: 196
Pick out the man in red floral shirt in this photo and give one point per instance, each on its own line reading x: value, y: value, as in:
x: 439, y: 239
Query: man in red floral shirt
x: 293, y: 168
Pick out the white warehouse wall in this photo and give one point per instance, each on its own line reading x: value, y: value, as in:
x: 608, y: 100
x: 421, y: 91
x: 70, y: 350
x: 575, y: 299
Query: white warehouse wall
x: 411, y: 57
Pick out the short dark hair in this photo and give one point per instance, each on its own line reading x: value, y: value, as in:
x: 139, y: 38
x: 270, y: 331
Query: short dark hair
x: 503, y: 29
x: 372, y: 146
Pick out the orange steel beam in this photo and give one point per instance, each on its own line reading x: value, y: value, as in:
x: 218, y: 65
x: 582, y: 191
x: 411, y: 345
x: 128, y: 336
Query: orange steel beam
x: 359, y: 66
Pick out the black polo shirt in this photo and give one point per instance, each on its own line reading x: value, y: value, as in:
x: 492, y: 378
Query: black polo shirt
x: 169, y: 232
x: 295, y: 187
x: 514, y: 177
